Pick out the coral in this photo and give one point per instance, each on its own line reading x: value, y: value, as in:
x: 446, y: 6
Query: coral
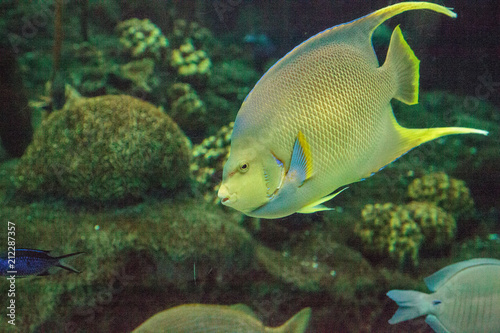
x: 228, y: 85
x: 97, y: 71
x: 141, y: 38
x: 186, y: 108
x: 190, y: 62
x: 233, y: 79
x: 89, y: 74
x: 183, y: 31
x: 44, y: 101
x: 208, y: 161
x: 395, y: 231
x: 449, y: 193
x: 139, y: 72
x: 388, y: 230
x: 103, y: 149
x: 437, y: 226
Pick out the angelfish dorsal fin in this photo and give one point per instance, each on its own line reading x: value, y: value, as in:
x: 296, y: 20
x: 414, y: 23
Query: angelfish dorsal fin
x: 301, y: 163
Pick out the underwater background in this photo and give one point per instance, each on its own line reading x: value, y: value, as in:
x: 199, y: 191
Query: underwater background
x: 115, y: 123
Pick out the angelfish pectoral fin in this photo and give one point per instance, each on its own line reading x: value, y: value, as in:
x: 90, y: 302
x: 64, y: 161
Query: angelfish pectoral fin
x: 317, y: 206
x: 301, y: 163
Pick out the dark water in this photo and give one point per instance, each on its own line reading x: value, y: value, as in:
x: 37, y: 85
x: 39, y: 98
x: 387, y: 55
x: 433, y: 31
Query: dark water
x: 132, y: 180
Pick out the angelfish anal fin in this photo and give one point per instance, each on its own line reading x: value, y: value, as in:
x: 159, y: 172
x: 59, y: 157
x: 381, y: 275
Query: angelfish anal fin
x: 301, y: 163
x: 317, y: 206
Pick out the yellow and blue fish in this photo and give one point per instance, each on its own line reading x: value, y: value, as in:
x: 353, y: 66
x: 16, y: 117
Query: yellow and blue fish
x: 321, y: 118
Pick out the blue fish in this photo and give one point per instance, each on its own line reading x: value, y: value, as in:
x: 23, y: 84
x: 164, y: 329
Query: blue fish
x: 261, y: 47
x: 32, y: 262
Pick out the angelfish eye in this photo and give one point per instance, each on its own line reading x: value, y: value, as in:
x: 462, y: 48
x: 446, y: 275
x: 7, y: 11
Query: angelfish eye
x: 244, y: 167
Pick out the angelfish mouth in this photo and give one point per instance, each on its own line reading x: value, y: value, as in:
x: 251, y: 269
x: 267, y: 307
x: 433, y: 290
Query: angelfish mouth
x: 226, y: 201
x: 225, y: 196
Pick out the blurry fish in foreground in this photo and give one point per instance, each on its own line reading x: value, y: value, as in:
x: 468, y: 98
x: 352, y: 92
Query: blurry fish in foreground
x: 200, y: 318
x: 321, y: 118
x: 466, y: 298
x: 33, y: 262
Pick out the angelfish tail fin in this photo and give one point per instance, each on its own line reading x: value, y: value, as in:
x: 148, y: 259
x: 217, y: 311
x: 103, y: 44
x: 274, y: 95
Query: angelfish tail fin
x: 412, y: 304
x: 399, y: 140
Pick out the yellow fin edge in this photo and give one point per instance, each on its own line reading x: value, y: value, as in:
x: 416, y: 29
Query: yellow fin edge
x: 307, y: 154
x: 381, y: 15
x: 402, y: 61
x: 317, y: 206
x: 413, y: 137
x: 298, y: 323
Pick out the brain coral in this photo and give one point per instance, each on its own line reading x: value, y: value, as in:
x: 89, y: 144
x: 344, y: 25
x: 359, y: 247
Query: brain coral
x: 438, y: 188
x: 103, y: 149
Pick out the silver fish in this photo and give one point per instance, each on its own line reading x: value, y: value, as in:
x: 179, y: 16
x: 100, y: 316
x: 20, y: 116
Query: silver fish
x: 466, y: 298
